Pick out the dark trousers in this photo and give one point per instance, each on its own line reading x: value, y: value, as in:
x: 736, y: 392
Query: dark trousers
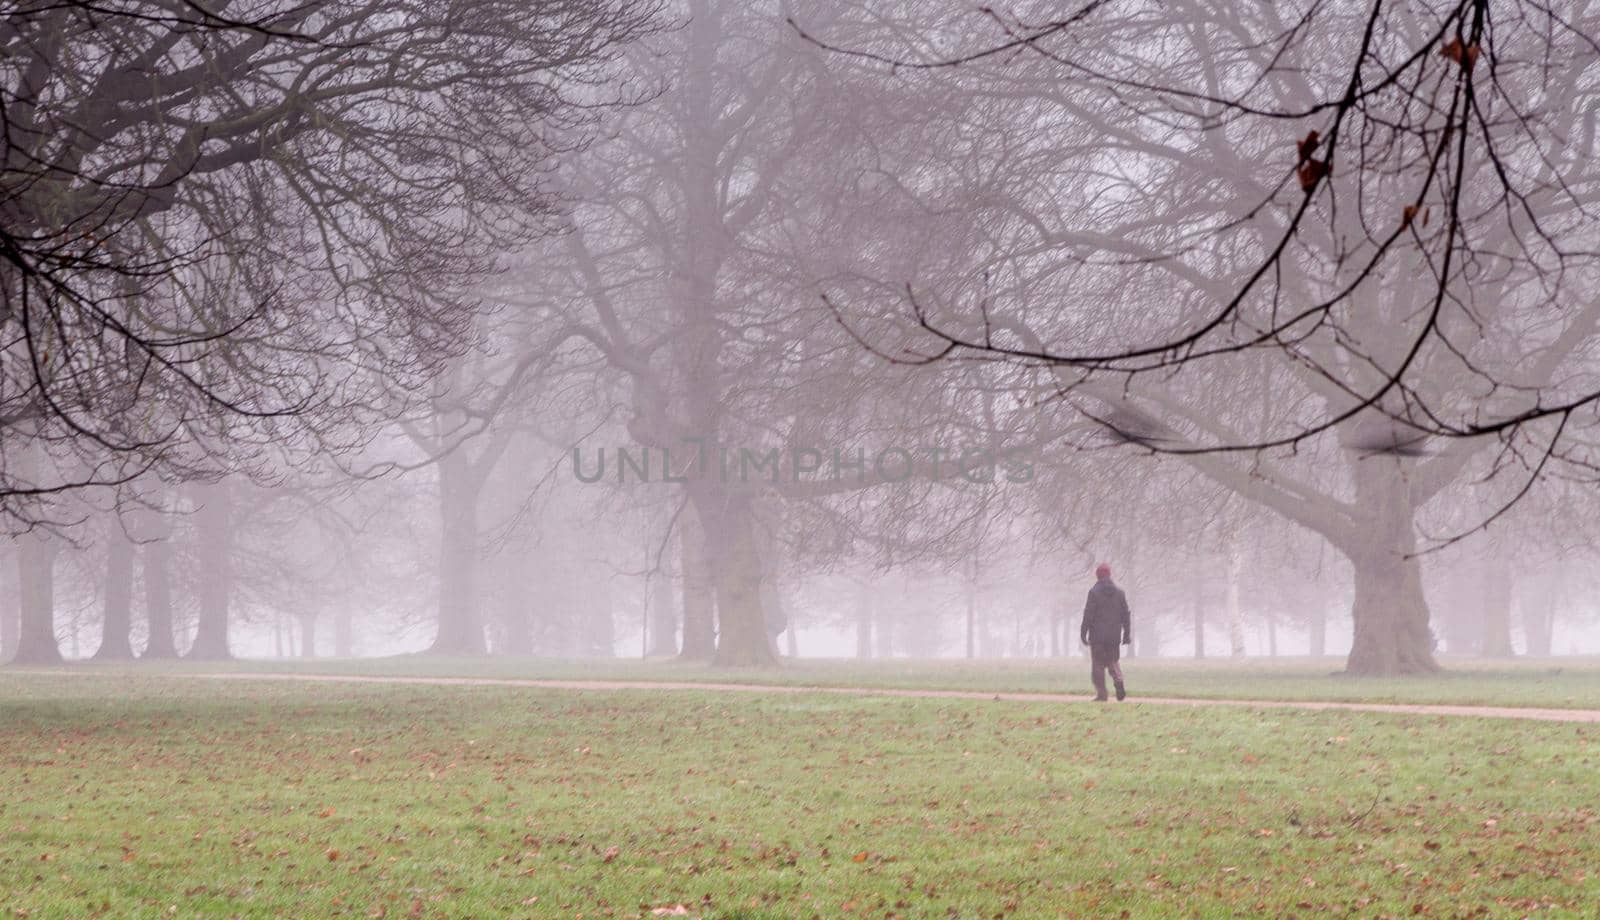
x: 1103, y: 657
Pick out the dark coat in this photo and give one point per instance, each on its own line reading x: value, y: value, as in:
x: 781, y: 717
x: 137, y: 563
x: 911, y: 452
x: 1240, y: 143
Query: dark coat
x: 1106, y: 617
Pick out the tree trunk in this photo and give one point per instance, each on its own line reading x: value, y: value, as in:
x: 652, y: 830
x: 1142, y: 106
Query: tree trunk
x: 460, y: 632
x: 308, y: 635
x: 1391, y: 617
x: 1495, y: 597
x: 699, y: 597
x: 1199, y: 623
x: 743, y: 639
x: 118, y: 619
x: 156, y: 562
x: 1390, y: 612
x: 1272, y: 637
x: 214, y: 536
x: 36, y: 638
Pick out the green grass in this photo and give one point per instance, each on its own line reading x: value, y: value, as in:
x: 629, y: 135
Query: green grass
x: 128, y: 797
x: 1557, y: 683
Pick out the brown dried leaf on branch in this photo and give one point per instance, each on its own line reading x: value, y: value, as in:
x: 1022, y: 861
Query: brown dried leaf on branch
x: 1464, y: 55
x: 1311, y: 172
x: 1308, y: 144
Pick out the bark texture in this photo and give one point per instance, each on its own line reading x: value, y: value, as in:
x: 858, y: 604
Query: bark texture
x: 1390, y: 612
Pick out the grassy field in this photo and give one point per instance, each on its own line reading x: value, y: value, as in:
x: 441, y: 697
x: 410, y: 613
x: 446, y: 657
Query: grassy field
x: 126, y: 796
x: 1558, y: 683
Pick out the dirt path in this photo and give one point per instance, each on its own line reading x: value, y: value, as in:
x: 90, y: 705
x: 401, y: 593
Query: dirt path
x: 1490, y: 712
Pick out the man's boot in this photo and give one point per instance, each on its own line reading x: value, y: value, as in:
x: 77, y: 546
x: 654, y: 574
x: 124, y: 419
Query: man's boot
x: 1122, y: 692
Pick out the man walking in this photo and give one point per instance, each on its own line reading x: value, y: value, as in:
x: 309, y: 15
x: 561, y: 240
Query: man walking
x: 1106, y: 619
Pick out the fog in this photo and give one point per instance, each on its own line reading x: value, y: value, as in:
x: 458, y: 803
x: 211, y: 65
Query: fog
x: 742, y: 332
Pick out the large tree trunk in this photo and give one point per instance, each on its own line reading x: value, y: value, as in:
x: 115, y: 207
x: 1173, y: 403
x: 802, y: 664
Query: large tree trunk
x: 696, y: 346
x: 699, y: 597
x: 1390, y: 612
x: 1199, y: 622
x: 460, y: 631
x: 117, y: 622
x: 36, y: 638
x: 156, y: 563
x: 214, y: 536
x: 1495, y: 599
x: 1391, y: 617
x: 743, y: 639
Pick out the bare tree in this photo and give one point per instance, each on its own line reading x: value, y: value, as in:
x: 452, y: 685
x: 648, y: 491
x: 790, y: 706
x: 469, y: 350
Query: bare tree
x: 1381, y: 208
x: 237, y: 240
x: 227, y: 232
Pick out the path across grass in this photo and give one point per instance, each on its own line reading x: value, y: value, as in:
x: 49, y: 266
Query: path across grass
x: 1556, y: 683
x: 1493, y: 712
x: 130, y: 796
